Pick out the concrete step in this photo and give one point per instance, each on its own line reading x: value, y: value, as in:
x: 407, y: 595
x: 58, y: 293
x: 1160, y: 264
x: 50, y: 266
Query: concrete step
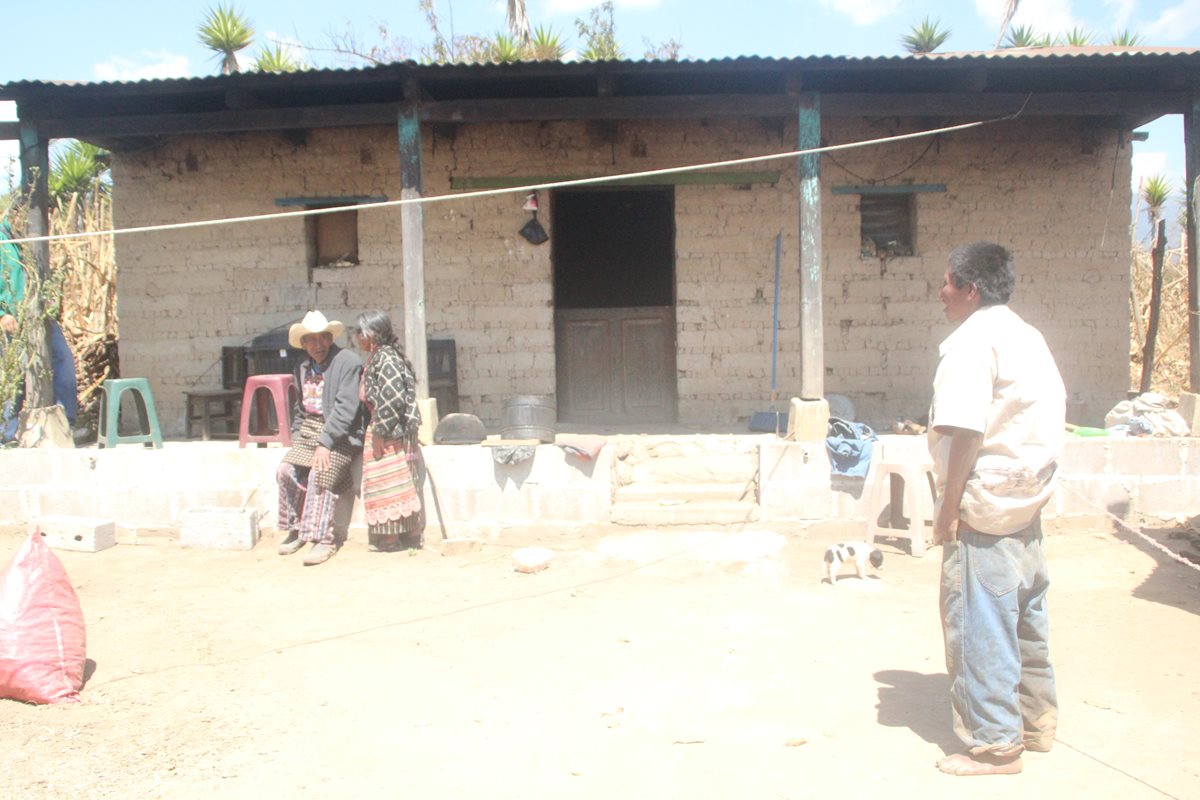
x: 671, y: 512
x: 726, y: 492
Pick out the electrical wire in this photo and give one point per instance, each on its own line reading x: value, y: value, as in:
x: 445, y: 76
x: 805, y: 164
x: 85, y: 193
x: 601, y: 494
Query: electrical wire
x: 523, y: 189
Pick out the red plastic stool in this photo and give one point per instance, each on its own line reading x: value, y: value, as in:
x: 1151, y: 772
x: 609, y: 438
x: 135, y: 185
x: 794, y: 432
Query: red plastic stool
x: 283, y: 390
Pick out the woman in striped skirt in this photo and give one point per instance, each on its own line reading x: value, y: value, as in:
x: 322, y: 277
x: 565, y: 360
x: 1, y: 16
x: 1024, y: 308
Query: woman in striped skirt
x: 393, y: 469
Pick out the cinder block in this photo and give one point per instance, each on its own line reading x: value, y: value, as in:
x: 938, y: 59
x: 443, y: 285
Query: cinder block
x: 82, y: 534
x: 219, y: 528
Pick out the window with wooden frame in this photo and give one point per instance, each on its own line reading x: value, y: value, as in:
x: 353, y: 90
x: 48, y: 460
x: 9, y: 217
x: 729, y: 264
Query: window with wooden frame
x: 888, y: 217
x: 887, y: 224
x: 331, y: 240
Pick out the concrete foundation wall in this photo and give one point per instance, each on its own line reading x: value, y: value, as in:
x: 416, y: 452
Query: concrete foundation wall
x: 555, y: 491
x: 1040, y: 187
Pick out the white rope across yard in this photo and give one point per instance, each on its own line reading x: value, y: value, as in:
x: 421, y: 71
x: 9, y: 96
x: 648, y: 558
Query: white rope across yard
x: 175, y: 226
x: 1121, y: 524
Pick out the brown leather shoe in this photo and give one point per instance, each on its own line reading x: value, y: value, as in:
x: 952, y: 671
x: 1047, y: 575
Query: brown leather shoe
x: 319, y: 554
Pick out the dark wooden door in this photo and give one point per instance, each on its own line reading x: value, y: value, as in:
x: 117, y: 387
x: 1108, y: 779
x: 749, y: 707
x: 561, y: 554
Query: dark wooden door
x: 616, y: 365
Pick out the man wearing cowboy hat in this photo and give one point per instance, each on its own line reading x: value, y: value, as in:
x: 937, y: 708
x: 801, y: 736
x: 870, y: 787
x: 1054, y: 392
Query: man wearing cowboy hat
x: 327, y: 434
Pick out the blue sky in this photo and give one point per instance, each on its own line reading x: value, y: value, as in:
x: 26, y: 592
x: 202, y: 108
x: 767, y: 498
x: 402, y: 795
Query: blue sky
x: 156, y: 39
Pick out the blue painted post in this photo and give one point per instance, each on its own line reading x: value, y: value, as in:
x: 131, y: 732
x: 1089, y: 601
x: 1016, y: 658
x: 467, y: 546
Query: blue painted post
x: 412, y: 229
x: 812, y: 339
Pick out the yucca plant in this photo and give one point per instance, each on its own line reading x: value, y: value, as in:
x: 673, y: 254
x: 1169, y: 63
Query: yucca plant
x: 1078, y: 37
x: 546, y: 45
x: 1156, y: 191
x: 1026, y: 36
x: 925, y: 37
x: 225, y: 31
x: 275, y: 59
x: 1125, y: 38
x: 79, y: 168
x: 505, y: 50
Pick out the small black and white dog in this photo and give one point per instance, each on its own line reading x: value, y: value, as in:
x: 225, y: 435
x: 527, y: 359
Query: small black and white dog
x: 860, y: 553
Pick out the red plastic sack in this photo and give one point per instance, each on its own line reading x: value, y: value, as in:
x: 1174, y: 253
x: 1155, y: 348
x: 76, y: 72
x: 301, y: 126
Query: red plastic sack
x: 42, y: 640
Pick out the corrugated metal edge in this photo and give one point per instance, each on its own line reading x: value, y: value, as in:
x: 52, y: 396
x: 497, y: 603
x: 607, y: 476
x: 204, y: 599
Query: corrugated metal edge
x: 1042, y: 54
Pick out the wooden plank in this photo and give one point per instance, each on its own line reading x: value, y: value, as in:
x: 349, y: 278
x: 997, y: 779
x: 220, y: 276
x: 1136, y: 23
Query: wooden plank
x: 914, y: 188
x: 973, y: 104
x: 412, y: 231
x: 1140, y: 105
x: 1191, y: 150
x: 532, y: 109
x: 1157, y: 253
x: 351, y: 200
x: 812, y: 339
x: 678, y: 179
x: 10, y: 130
x: 332, y: 116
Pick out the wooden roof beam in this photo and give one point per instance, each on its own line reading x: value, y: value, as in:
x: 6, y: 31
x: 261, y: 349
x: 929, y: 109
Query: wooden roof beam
x: 1130, y: 105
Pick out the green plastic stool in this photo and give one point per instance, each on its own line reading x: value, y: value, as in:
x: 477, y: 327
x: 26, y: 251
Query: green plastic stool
x: 110, y: 413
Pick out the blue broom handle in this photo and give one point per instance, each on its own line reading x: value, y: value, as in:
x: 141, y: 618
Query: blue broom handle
x: 775, y: 317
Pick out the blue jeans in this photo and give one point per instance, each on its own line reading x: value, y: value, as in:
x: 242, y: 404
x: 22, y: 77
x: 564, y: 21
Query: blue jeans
x: 66, y: 390
x: 993, y: 602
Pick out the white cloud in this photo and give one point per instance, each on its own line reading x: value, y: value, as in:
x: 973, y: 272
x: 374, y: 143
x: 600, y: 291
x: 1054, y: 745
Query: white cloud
x: 1122, y: 12
x: 1147, y: 164
x: 863, y: 12
x: 1175, y: 24
x: 576, y: 6
x: 151, y: 65
x: 1046, y: 16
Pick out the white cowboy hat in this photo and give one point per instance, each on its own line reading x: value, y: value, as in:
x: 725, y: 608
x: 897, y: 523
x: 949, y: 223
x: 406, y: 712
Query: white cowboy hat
x: 313, y: 322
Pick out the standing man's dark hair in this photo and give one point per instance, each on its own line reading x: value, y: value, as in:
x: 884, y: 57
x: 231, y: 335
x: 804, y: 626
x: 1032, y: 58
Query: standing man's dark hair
x: 987, y: 266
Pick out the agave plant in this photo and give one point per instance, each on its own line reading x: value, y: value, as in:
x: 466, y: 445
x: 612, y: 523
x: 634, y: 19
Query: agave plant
x: 276, y: 59
x: 226, y: 31
x: 925, y: 37
x: 1125, y: 38
x: 1156, y: 191
x: 1078, y: 37
x: 546, y: 45
x: 505, y: 50
x: 1026, y: 36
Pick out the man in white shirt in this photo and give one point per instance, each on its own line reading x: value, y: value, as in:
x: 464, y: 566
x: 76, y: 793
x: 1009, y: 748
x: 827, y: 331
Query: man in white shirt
x: 995, y: 432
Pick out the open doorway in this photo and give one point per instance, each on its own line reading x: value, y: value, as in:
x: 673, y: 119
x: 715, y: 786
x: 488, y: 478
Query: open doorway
x: 614, y: 304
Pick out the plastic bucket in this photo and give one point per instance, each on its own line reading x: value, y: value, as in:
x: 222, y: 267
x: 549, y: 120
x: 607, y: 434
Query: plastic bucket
x: 529, y: 417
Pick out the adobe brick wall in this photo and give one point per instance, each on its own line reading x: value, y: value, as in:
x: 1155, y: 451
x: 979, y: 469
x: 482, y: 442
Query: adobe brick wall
x: 1041, y: 187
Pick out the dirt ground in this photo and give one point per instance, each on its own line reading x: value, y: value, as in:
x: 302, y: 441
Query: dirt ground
x: 643, y: 663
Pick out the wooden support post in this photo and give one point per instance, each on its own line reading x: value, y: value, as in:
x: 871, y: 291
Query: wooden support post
x: 1157, y: 254
x: 812, y: 339
x: 412, y: 228
x: 1191, y: 146
x: 35, y: 189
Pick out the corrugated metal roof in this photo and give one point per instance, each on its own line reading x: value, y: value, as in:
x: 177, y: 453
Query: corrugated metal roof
x: 1041, y: 55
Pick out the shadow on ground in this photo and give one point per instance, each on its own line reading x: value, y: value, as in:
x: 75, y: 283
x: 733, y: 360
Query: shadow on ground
x: 918, y: 702
x: 1171, y: 583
